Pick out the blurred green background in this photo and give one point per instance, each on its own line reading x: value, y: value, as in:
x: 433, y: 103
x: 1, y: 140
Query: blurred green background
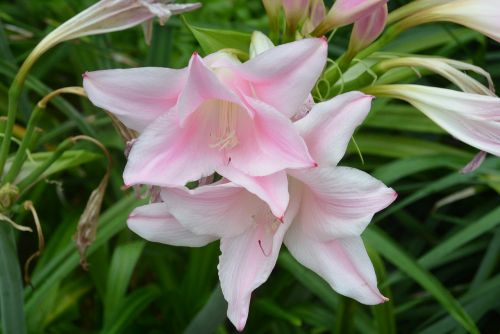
x: 436, y: 249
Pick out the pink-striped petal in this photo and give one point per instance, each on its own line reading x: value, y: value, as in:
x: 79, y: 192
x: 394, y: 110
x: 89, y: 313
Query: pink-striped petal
x: 272, y: 189
x: 329, y: 126
x: 284, y: 76
x: 202, y: 85
x: 136, y: 96
x: 270, y: 145
x: 223, y: 210
x: 339, y: 202
x: 154, y: 223
x: 167, y: 155
x: 343, y: 263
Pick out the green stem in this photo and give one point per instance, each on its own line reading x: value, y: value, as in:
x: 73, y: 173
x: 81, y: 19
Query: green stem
x: 410, y: 9
x: 11, y: 288
x: 35, y: 175
x: 211, y: 316
x: 14, y: 94
x: 21, y: 153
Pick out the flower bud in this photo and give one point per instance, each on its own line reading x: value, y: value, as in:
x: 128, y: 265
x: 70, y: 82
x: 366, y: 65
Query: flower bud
x: 345, y: 12
x: 368, y: 28
x: 317, y: 12
x: 259, y: 44
x: 295, y: 11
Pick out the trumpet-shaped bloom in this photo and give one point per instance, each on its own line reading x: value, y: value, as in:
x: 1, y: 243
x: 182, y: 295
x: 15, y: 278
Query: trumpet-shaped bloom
x: 471, y: 118
x: 329, y: 208
x: 216, y: 115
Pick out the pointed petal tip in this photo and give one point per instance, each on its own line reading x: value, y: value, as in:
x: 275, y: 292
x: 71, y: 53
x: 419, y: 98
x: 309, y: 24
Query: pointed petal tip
x: 85, y: 75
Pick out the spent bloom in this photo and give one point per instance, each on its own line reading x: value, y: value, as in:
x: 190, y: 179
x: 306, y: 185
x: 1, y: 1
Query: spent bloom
x: 216, y: 115
x: 329, y: 208
x: 113, y: 15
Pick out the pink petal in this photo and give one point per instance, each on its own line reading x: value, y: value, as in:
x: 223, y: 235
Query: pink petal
x: 202, y: 85
x: 272, y: 145
x: 343, y: 263
x: 272, y: 189
x: 136, y: 96
x: 368, y: 28
x: 248, y: 259
x: 284, y: 76
x: 339, y: 202
x: 167, y: 155
x: 223, y: 210
x: 329, y: 126
x: 154, y: 223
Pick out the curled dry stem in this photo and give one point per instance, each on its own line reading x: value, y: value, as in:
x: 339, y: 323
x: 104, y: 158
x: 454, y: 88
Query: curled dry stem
x: 28, y: 205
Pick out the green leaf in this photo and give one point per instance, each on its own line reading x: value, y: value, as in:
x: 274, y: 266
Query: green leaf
x: 452, y: 243
x: 211, y: 316
x: 383, y: 314
x: 213, y: 40
x: 269, y: 307
x: 122, y: 265
x: 111, y: 222
x: 394, y: 254
x: 11, y: 286
x: 131, y: 308
x: 392, y: 146
x: 68, y: 160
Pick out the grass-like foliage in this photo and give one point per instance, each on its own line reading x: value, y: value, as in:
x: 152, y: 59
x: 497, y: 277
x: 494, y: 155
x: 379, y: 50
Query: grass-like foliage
x: 436, y: 249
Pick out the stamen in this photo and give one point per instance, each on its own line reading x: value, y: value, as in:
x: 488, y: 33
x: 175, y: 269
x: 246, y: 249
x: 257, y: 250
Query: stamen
x: 226, y: 132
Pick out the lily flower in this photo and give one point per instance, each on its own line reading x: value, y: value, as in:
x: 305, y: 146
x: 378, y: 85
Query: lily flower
x: 471, y: 118
x: 329, y: 208
x: 216, y: 115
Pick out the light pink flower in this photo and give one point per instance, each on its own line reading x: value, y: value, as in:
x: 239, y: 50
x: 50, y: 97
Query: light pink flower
x: 329, y: 208
x: 368, y: 28
x: 471, y: 118
x: 216, y: 115
x: 344, y: 12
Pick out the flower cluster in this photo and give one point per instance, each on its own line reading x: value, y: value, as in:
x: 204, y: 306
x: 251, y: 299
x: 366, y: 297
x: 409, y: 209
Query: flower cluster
x: 254, y: 125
